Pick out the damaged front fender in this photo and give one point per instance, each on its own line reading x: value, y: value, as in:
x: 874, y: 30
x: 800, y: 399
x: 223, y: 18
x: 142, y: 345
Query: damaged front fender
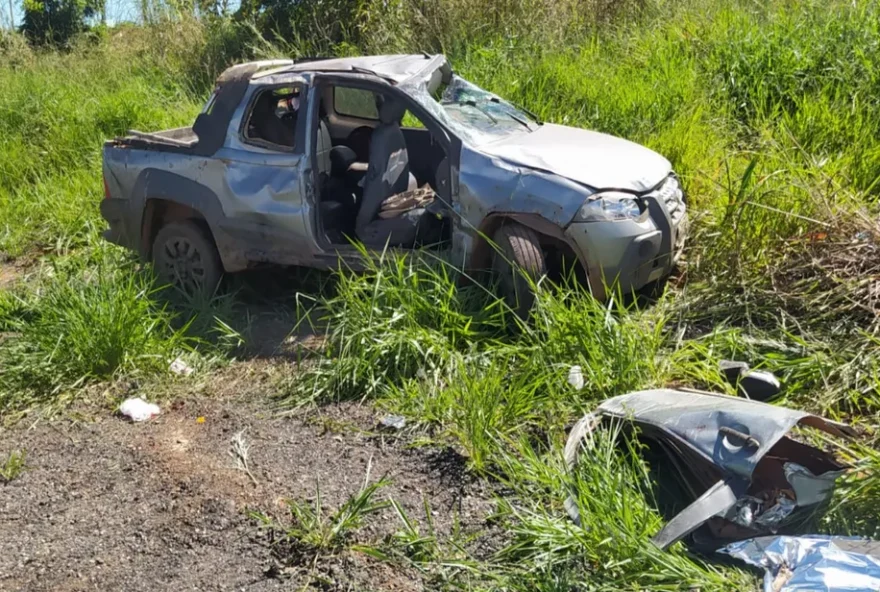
x: 490, y: 187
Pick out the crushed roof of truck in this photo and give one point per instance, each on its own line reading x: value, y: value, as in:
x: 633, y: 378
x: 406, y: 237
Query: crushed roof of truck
x: 396, y: 69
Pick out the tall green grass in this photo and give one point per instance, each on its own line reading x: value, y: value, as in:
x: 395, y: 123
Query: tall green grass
x: 611, y: 548
x: 769, y: 111
x: 89, y: 320
x: 55, y: 112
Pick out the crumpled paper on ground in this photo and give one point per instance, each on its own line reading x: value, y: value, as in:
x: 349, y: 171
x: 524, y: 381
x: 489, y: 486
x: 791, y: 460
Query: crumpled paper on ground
x: 137, y: 409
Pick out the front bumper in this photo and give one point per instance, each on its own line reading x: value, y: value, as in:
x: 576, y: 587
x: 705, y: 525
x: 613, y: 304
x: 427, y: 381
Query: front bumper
x: 631, y: 253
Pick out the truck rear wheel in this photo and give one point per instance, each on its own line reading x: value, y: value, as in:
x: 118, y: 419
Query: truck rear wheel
x: 184, y: 256
x: 518, y: 259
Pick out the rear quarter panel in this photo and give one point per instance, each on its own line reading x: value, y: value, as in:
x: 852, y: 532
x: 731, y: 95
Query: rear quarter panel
x: 138, y: 175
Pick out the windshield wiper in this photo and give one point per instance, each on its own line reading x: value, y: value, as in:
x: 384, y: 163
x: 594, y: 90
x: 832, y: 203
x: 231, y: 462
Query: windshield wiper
x: 519, y: 119
x: 521, y: 108
x: 472, y: 103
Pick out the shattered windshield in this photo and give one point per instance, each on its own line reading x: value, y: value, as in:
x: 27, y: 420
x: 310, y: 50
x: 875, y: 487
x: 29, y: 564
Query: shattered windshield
x: 476, y: 115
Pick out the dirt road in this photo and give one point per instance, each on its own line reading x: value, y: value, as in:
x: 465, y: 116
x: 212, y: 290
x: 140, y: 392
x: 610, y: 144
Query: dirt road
x: 109, y: 505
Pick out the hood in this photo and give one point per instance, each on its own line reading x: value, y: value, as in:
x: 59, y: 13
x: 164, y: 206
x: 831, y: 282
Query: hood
x: 591, y: 158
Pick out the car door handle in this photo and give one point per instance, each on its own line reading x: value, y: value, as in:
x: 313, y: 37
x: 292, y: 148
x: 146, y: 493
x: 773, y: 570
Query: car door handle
x: 745, y: 439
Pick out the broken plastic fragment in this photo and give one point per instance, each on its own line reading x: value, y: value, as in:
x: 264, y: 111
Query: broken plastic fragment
x: 576, y: 377
x: 743, y: 513
x: 393, y: 422
x: 772, y: 517
x: 138, y: 410
x: 809, y: 488
x: 751, y: 512
x: 759, y: 385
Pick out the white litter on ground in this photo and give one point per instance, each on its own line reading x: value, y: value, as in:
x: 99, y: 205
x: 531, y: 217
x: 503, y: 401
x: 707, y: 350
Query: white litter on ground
x: 576, y: 377
x: 138, y: 410
x: 393, y: 422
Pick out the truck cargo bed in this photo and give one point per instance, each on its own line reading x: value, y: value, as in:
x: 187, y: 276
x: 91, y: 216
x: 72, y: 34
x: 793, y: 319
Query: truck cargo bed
x: 180, y: 139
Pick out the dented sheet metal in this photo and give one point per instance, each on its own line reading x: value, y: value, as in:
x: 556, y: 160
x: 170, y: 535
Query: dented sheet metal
x: 614, y: 207
x: 588, y: 157
x: 812, y: 563
x: 745, y: 475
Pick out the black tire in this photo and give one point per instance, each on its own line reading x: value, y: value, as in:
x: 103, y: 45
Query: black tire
x: 184, y: 256
x: 517, y: 258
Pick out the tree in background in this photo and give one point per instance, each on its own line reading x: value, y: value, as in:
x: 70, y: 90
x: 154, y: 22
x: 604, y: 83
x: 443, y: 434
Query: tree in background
x: 56, y: 22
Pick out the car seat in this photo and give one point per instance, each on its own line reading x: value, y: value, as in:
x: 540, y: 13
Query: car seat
x: 387, y: 174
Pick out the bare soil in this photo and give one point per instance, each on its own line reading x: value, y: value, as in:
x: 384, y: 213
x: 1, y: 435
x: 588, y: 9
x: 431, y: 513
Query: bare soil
x: 12, y: 270
x: 105, y: 504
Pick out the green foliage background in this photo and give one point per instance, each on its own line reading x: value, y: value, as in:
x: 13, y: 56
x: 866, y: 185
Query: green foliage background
x: 769, y: 111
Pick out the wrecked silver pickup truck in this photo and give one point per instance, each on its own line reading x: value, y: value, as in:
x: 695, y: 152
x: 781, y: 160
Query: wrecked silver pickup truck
x: 290, y: 161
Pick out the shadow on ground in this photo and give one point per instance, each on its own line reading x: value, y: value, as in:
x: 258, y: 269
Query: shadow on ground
x: 272, y: 311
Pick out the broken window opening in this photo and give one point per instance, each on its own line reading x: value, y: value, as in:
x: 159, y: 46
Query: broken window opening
x: 273, y: 118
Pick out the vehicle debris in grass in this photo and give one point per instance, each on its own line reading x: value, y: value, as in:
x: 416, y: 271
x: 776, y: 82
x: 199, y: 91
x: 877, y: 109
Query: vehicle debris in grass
x: 727, y: 467
x: 759, y: 385
x: 136, y: 409
x: 180, y: 367
x: 576, y: 378
x: 814, y: 562
x: 393, y: 422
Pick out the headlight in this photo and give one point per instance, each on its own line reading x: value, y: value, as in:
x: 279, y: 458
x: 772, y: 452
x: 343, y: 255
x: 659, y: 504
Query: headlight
x: 610, y: 206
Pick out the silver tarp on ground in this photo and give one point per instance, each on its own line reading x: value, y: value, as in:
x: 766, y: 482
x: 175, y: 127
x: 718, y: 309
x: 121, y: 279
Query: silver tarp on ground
x: 812, y: 563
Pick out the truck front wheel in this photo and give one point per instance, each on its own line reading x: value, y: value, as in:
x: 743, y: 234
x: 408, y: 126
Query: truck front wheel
x: 517, y: 262
x: 184, y: 256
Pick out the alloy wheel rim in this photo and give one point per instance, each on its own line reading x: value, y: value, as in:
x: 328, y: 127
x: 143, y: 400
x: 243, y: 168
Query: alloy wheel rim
x: 183, y: 264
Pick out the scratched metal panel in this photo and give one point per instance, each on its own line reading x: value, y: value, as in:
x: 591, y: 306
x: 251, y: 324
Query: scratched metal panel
x: 489, y: 185
x: 697, y: 418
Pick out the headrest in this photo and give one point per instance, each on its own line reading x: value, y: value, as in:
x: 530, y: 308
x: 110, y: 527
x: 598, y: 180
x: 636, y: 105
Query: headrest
x: 390, y: 111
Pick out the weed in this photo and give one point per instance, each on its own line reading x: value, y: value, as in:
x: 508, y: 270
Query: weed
x: 404, y: 316
x: 13, y: 466
x: 612, y: 543
x: 308, y: 532
x: 15, y: 310
x: 89, y: 322
x: 418, y: 546
x: 445, y: 561
x: 240, y: 451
